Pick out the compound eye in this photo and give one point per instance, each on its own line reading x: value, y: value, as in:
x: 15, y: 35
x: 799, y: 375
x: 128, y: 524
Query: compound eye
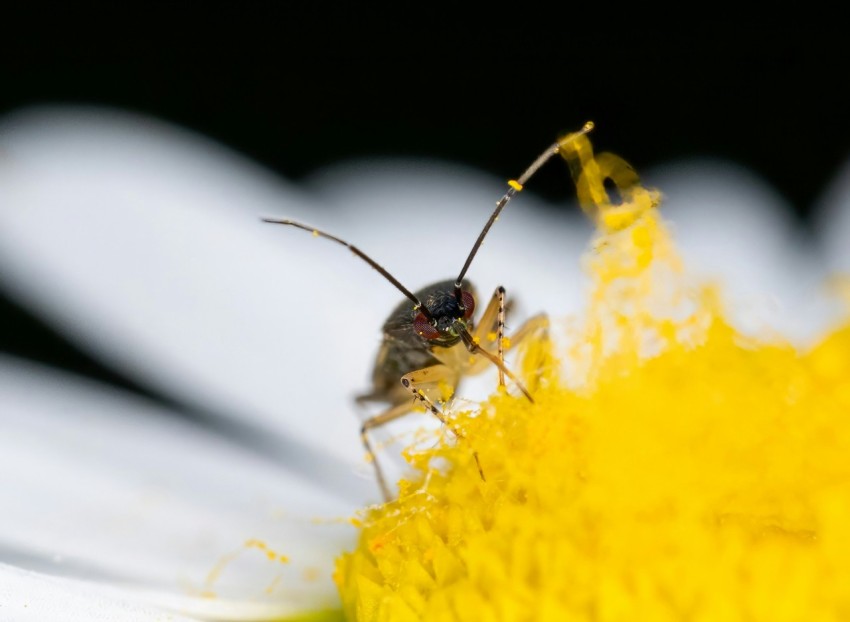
x: 423, y: 327
x: 468, y: 304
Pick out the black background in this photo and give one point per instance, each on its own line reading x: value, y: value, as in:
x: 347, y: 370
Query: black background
x: 298, y: 88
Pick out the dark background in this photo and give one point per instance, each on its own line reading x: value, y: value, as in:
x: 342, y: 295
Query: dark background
x: 297, y: 89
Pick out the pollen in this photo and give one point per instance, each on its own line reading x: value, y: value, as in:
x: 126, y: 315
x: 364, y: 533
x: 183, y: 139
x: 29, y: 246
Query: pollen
x: 446, y: 390
x: 272, y: 555
x: 669, y: 468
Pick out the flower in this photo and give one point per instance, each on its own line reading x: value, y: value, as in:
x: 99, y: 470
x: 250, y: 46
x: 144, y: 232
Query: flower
x: 143, y: 245
x: 683, y: 470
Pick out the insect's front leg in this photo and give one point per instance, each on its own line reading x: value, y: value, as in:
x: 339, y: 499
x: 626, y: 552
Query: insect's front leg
x: 535, y: 326
x: 413, y: 382
x: 492, y: 326
x: 434, y: 378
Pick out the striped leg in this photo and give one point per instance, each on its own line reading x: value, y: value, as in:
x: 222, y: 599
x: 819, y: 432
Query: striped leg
x: 409, y: 383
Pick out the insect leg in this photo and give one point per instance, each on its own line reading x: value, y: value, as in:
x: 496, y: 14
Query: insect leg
x: 475, y: 348
x: 394, y: 412
x: 428, y: 380
x: 492, y: 326
x: 409, y: 383
x: 537, y: 325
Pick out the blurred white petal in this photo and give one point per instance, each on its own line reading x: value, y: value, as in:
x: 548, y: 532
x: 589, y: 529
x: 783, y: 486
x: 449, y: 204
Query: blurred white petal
x: 96, y: 484
x: 33, y: 597
x: 144, y: 245
x: 735, y: 230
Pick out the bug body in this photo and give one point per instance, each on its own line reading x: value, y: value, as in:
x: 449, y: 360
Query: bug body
x: 404, y: 348
x: 431, y: 341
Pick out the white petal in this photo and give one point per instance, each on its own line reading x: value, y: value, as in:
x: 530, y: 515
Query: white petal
x: 144, y: 245
x: 32, y: 597
x: 99, y: 485
x: 734, y: 229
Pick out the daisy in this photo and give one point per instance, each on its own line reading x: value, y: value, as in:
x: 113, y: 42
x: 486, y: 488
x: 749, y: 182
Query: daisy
x: 142, y: 244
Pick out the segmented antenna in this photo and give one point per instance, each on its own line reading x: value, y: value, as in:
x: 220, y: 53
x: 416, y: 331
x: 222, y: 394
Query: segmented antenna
x: 381, y: 270
x: 515, y: 186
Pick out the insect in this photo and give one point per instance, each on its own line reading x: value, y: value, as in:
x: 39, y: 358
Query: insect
x: 431, y: 341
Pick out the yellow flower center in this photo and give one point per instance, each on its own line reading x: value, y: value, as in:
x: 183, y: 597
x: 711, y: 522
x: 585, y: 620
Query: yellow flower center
x: 669, y: 468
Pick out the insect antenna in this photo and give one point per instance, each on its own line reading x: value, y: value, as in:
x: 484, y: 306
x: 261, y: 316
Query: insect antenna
x: 381, y: 270
x: 515, y: 186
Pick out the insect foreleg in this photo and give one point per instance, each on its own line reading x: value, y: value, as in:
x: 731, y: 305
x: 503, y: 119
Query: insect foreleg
x: 491, y: 329
x: 409, y: 383
x: 434, y: 378
x: 475, y: 348
x: 536, y: 325
x: 492, y: 326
